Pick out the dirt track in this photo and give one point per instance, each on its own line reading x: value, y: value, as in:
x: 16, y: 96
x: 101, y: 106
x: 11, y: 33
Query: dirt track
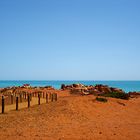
x: 74, y: 118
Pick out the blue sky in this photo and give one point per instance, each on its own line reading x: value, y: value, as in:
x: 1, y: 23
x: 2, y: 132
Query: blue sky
x: 69, y: 40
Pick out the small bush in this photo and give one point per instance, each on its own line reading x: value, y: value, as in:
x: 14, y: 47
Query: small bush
x: 101, y: 99
x: 117, y: 95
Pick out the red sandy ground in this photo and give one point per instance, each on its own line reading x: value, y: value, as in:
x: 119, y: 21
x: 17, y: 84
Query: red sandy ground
x: 74, y: 117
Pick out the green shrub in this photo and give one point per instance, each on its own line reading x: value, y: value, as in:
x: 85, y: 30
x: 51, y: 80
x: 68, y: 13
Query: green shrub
x: 117, y: 95
x: 101, y: 99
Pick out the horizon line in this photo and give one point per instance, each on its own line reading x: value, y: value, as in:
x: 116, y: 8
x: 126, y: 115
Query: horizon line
x: 69, y: 80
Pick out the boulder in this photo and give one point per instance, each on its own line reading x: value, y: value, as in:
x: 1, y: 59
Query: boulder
x: 48, y: 87
x: 75, y: 85
x: 134, y: 94
x: 95, y: 92
x: 103, y: 88
x: 106, y: 89
x: 63, y: 86
x: 117, y: 90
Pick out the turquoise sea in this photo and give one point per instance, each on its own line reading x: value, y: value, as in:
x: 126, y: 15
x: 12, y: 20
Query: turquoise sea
x: 125, y: 85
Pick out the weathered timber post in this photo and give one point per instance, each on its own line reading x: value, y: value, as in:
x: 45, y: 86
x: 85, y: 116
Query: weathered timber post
x: 49, y: 96
x: 3, y: 104
x: 20, y: 98
x: 46, y: 98
x: 25, y: 95
x: 16, y: 103
x: 12, y: 99
x: 28, y: 100
x: 55, y: 96
x: 39, y: 99
x: 52, y: 97
x: 43, y: 95
x: 31, y: 97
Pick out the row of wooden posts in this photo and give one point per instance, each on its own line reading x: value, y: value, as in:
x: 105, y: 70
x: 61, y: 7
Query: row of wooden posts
x: 52, y: 97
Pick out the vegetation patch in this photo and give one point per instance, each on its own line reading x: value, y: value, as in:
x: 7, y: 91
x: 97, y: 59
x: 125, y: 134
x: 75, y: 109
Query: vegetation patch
x: 101, y: 99
x: 117, y: 95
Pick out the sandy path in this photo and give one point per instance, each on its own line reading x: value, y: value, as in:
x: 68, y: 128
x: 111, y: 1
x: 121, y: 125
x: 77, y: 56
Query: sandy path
x: 74, y: 118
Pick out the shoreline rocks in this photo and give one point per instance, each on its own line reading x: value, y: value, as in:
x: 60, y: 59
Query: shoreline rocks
x: 79, y: 89
x: 134, y: 94
x: 97, y: 90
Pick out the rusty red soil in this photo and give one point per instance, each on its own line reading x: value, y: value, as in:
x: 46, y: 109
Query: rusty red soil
x: 74, y: 117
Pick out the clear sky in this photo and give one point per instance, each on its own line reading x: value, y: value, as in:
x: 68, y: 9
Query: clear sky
x: 69, y: 39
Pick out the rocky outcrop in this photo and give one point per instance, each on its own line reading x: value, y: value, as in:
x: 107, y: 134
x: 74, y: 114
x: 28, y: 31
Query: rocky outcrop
x: 103, y: 88
x: 134, y: 94
x: 95, y: 90
x: 117, y: 90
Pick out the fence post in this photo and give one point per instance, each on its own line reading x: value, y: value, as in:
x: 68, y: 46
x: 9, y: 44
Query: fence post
x: 52, y: 97
x: 16, y: 103
x: 25, y: 95
x: 11, y: 98
x: 39, y: 99
x: 21, y: 98
x: 46, y: 98
x: 55, y: 96
x: 2, y: 104
x: 49, y: 96
x: 43, y: 95
x: 31, y: 97
x: 28, y: 100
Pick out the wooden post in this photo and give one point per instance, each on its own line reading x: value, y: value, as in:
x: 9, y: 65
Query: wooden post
x: 28, y: 100
x: 25, y: 95
x: 43, y: 95
x: 30, y: 97
x: 55, y: 96
x: 46, y: 98
x: 2, y: 104
x: 16, y: 103
x: 52, y: 97
x: 21, y: 98
x: 11, y: 98
x: 49, y: 96
x: 39, y: 99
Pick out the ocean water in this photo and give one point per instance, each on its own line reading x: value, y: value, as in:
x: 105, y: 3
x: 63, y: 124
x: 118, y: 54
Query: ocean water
x: 125, y: 85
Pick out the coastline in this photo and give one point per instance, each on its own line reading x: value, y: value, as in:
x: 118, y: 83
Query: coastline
x: 74, y: 117
x: 127, y: 86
